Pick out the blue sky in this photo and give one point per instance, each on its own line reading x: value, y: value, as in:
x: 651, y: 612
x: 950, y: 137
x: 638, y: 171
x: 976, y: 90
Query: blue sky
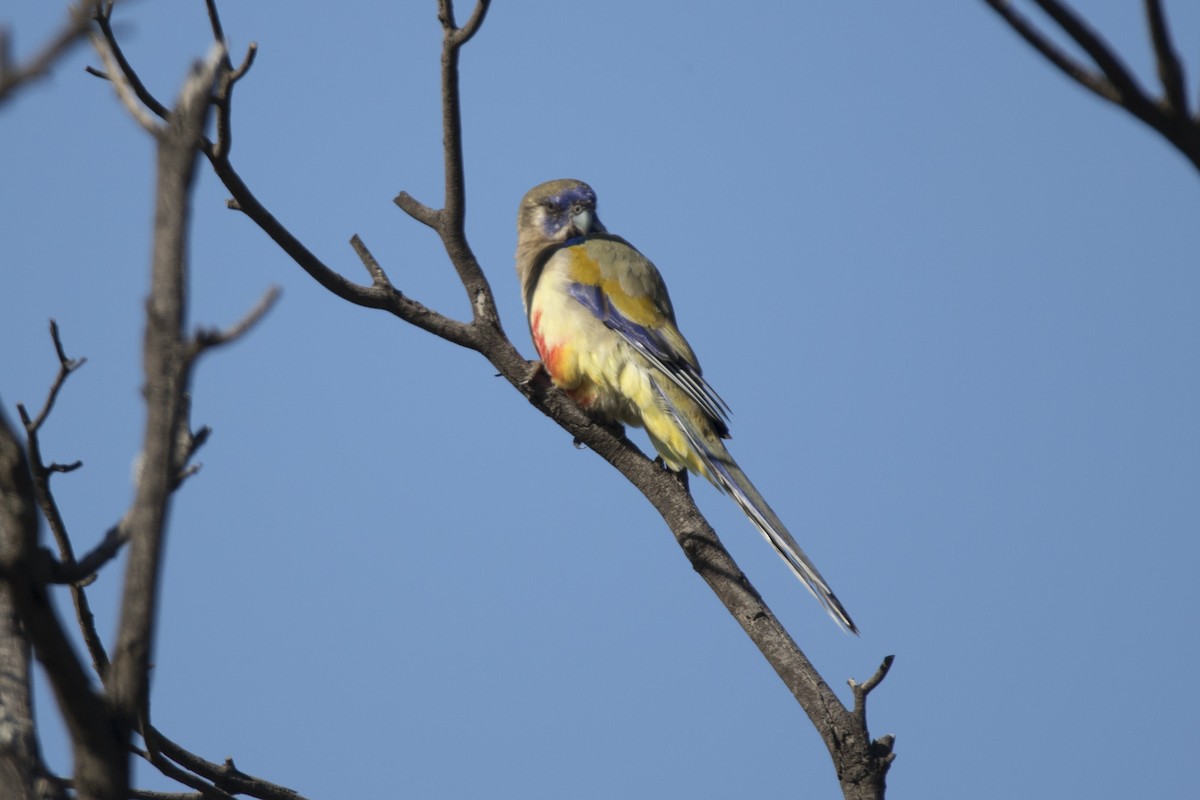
x: 953, y: 300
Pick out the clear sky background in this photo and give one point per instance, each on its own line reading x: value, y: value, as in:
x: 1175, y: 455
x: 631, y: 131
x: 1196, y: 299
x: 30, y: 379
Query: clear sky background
x: 953, y: 300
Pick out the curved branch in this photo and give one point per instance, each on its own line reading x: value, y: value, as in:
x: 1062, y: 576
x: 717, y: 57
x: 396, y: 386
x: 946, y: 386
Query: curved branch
x: 1072, y: 69
x: 207, y: 338
x: 1100, y: 52
x: 13, y: 76
x: 1169, y: 116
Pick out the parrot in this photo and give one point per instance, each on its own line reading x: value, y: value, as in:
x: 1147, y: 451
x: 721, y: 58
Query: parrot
x: 605, y: 330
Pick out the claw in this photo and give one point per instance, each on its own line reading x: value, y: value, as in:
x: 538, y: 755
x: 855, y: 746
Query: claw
x: 535, y: 368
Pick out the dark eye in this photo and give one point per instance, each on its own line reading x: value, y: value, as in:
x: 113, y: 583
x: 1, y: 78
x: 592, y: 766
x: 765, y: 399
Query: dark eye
x: 577, y: 209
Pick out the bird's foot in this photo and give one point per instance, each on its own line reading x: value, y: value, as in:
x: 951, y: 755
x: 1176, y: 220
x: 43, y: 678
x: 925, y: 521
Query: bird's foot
x: 536, y: 368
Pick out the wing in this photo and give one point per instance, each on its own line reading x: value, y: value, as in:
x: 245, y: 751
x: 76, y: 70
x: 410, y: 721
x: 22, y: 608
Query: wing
x: 624, y: 290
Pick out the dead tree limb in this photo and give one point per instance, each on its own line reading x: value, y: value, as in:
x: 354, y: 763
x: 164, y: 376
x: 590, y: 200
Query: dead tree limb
x: 1108, y: 77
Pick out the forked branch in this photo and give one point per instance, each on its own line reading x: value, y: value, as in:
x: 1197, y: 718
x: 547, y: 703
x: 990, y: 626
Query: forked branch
x: 1109, y: 77
x: 13, y: 76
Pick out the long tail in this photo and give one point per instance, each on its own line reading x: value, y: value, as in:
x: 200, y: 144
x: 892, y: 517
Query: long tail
x: 726, y: 475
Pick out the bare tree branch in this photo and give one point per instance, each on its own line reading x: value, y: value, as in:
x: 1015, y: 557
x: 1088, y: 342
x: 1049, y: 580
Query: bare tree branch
x: 380, y: 297
x: 1115, y: 82
x: 225, y: 777
x: 65, y: 367
x: 81, y: 572
x: 166, y: 366
x: 101, y: 767
x: 170, y: 770
x: 49, y: 506
x: 452, y: 220
x: 1071, y: 68
x: 104, y: 22
x: 41, y: 473
x: 1170, y: 71
x: 206, y: 339
x: 1110, y: 64
x: 169, y: 443
x: 13, y: 76
x: 132, y: 96
x: 378, y: 276
x: 23, y: 774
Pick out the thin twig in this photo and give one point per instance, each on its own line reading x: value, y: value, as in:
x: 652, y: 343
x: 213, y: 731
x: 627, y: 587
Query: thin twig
x: 12, y: 76
x: 49, y: 505
x: 378, y: 276
x: 422, y: 213
x: 41, y: 473
x: 861, y: 690
x: 126, y: 92
x: 1116, y: 83
x: 226, y: 776
x: 214, y: 21
x: 247, y: 62
x: 1170, y: 71
x: 207, y: 339
x: 451, y: 226
x: 104, y: 21
x: 1080, y: 74
x: 464, y: 34
x: 76, y: 572
x: 1099, y: 50
x: 65, y: 367
x: 170, y: 770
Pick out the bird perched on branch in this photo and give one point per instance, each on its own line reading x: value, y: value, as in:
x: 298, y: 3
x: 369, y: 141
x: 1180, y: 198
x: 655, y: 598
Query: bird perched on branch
x: 605, y: 329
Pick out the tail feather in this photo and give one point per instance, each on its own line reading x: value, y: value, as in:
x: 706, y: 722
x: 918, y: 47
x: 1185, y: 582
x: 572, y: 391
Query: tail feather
x: 726, y: 475
x: 730, y: 478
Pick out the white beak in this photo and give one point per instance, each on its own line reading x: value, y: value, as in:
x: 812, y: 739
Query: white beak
x: 582, y: 222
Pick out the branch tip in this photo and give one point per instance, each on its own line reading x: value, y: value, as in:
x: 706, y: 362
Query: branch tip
x: 1170, y: 71
x: 119, y: 78
x: 861, y: 690
x: 247, y: 62
x: 206, y: 339
x: 13, y: 75
x: 422, y: 213
x: 66, y: 366
x: 378, y: 276
x: 462, y: 35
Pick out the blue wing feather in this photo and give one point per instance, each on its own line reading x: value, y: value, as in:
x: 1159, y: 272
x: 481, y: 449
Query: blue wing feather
x: 655, y: 348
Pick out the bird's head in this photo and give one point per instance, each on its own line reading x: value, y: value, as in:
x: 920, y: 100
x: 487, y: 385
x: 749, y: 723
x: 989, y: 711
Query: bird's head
x: 557, y: 211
